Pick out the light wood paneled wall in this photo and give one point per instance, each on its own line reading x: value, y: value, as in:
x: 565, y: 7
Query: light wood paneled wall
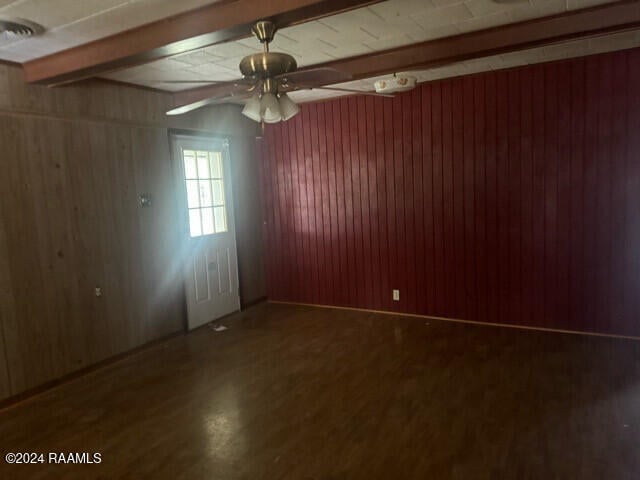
x: 6, y: 309
x: 246, y: 182
x: 74, y: 161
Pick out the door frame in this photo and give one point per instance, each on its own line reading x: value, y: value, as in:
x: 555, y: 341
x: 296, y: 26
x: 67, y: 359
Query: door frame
x: 175, y: 136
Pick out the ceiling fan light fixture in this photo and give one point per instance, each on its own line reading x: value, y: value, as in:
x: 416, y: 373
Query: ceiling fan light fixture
x: 288, y: 107
x: 252, y: 109
x: 270, y: 108
x: 264, y: 73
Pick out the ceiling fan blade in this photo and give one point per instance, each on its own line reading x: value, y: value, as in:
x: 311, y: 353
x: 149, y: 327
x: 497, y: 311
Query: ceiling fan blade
x: 318, y: 76
x: 359, y: 92
x: 203, y: 103
x: 190, y: 100
x: 193, y: 106
x: 214, y: 82
x: 338, y: 89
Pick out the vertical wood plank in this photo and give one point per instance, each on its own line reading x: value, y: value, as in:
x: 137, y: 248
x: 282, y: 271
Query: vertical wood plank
x: 564, y: 194
x: 526, y: 186
x: 576, y: 232
x: 391, y: 201
x: 324, y: 234
x: 374, y: 216
x: 439, y: 306
x: 460, y: 295
x: 448, y: 213
x: 514, y: 195
x: 538, y: 185
x: 339, y: 229
x: 590, y: 252
x: 603, y: 194
x: 356, y: 186
x: 348, y: 196
x: 400, y: 228
x: 468, y: 191
x: 428, y: 202
x: 382, y: 214
x: 290, y: 214
x: 491, y: 184
x: 294, y: 207
x: 502, y: 195
x: 305, y: 259
x: 420, y: 304
x: 315, y: 201
x: 618, y: 233
x: 408, y: 292
x: 480, y: 200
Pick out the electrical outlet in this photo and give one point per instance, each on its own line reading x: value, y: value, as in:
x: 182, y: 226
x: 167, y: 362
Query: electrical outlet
x: 396, y: 295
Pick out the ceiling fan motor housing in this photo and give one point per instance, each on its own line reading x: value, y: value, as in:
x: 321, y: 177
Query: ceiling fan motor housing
x: 267, y: 64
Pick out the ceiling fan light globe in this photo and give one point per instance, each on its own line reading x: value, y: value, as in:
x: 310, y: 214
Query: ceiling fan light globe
x: 270, y: 108
x: 288, y: 107
x: 272, y: 118
x: 252, y: 109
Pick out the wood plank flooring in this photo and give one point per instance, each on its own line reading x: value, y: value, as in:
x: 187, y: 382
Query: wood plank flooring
x: 293, y: 392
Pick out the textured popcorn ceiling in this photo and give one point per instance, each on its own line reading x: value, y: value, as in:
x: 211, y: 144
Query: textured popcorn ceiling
x: 560, y: 51
x: 379, y: 27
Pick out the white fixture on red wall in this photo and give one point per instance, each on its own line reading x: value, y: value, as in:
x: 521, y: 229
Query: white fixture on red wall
x: 397, y: 83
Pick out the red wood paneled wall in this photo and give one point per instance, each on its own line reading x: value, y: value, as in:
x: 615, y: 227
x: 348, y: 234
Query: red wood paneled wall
x: 510, y: 197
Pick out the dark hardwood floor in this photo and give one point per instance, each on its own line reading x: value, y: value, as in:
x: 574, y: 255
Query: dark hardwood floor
x: 292, y: 392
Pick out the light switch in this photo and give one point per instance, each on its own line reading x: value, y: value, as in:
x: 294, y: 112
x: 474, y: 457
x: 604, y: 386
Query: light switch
x: 145, y: 200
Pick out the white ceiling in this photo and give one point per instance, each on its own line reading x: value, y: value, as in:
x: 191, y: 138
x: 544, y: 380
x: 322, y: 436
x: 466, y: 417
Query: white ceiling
x: 382, y: 26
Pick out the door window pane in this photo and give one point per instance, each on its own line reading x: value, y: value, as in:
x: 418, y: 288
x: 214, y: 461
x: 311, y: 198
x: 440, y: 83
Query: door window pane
x: 218, y: 192
x: 206, y: 199
x: 190, y: 170
x: 216, y: 165
x: 193, y: 195
x: 221, y: 221
x: 207, y: 221
x: 204, y: 180
x: 195, y: 224
x: 203, y: 165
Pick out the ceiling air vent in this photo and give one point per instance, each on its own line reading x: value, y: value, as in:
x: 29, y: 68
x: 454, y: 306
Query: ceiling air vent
x: 18, y: 28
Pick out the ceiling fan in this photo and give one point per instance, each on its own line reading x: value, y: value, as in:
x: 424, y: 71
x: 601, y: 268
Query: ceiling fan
x: 267, y: 77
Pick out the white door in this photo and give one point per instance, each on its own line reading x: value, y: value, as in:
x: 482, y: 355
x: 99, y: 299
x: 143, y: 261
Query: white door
x: 211, y: 273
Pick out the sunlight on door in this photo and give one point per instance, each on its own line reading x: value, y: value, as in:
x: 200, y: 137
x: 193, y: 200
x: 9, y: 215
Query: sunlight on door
x: 205, y: 192
x: 208, y: 226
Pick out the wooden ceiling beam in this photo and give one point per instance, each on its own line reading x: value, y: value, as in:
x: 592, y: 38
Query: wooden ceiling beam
x: 595, y: 21
x: 222, y: 21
